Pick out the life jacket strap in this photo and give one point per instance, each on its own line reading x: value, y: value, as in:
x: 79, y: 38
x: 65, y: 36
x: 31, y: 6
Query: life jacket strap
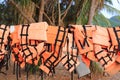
x: 50, y: 62
x: 85, y: 41
x: 70, y: 59
x: 26, y: 27
x: 57, y: 36
x: 35, y: 43
x: 3, y: 34
x: 117, y: 36
x: 103, y: 58
x: 24, y: 34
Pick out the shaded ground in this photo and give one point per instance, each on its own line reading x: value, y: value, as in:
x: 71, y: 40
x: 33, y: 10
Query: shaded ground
x: 61, y: 74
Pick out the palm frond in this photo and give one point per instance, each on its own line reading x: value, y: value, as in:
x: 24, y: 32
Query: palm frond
x: 108, y: 1
x: 83, y: 17
x: 101, y: 20
x: 111, y: 9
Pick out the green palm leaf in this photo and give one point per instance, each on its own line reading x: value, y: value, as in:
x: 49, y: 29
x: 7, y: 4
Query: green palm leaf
x: 111, y: 9
x: 101, y: 20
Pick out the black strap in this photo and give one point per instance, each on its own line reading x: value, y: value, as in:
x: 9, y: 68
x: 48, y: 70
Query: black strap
x: 25, y: 45
x: 68, y: 62
x: 112, y: 52
x: 48, y: 61
x: 85, y: 39
x: 117, y: 36
x: 98, y: 53
x: 33, y: 44
x: 49, y: 47
x: 105, y: 62
x: 84, y: 28
x: 6, y: 57
x: 24, y: 34
x: 2, y: 37
x: 103, y: 57
x: 58, y: 33
x: 73, y: 57
x: 17, y: 71
x: 27, y: 70
x: 74, y: 47
x: 1, y: 66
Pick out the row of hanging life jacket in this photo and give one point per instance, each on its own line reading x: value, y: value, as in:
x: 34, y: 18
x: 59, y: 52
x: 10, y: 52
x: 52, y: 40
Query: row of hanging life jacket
x: 31, y: 43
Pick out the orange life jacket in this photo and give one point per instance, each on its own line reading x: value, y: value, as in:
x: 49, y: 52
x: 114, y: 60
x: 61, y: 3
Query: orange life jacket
x: 113, y: 69
x: 83, y: 37
x: 69, y: 56
x: 4, y: 33
x: 101, y: 36
x: 52, y: 33
x: 49, y: 61
x: 105, y: 55
x: 102, y: 43
x: 70, y: 62
x: 56, y: 37
x: 114, y: 33
x: 29, y: 44
x: 91, y: 56
x: 35, y: 41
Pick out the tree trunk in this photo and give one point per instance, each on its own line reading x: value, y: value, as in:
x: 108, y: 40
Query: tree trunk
x: 28, y: 18
x: 94, y: 5
x: 59, y: 14
x: 41, y: 12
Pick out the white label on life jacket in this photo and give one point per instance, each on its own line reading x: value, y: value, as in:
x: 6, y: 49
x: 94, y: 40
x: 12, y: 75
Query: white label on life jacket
x: 12, y: 28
